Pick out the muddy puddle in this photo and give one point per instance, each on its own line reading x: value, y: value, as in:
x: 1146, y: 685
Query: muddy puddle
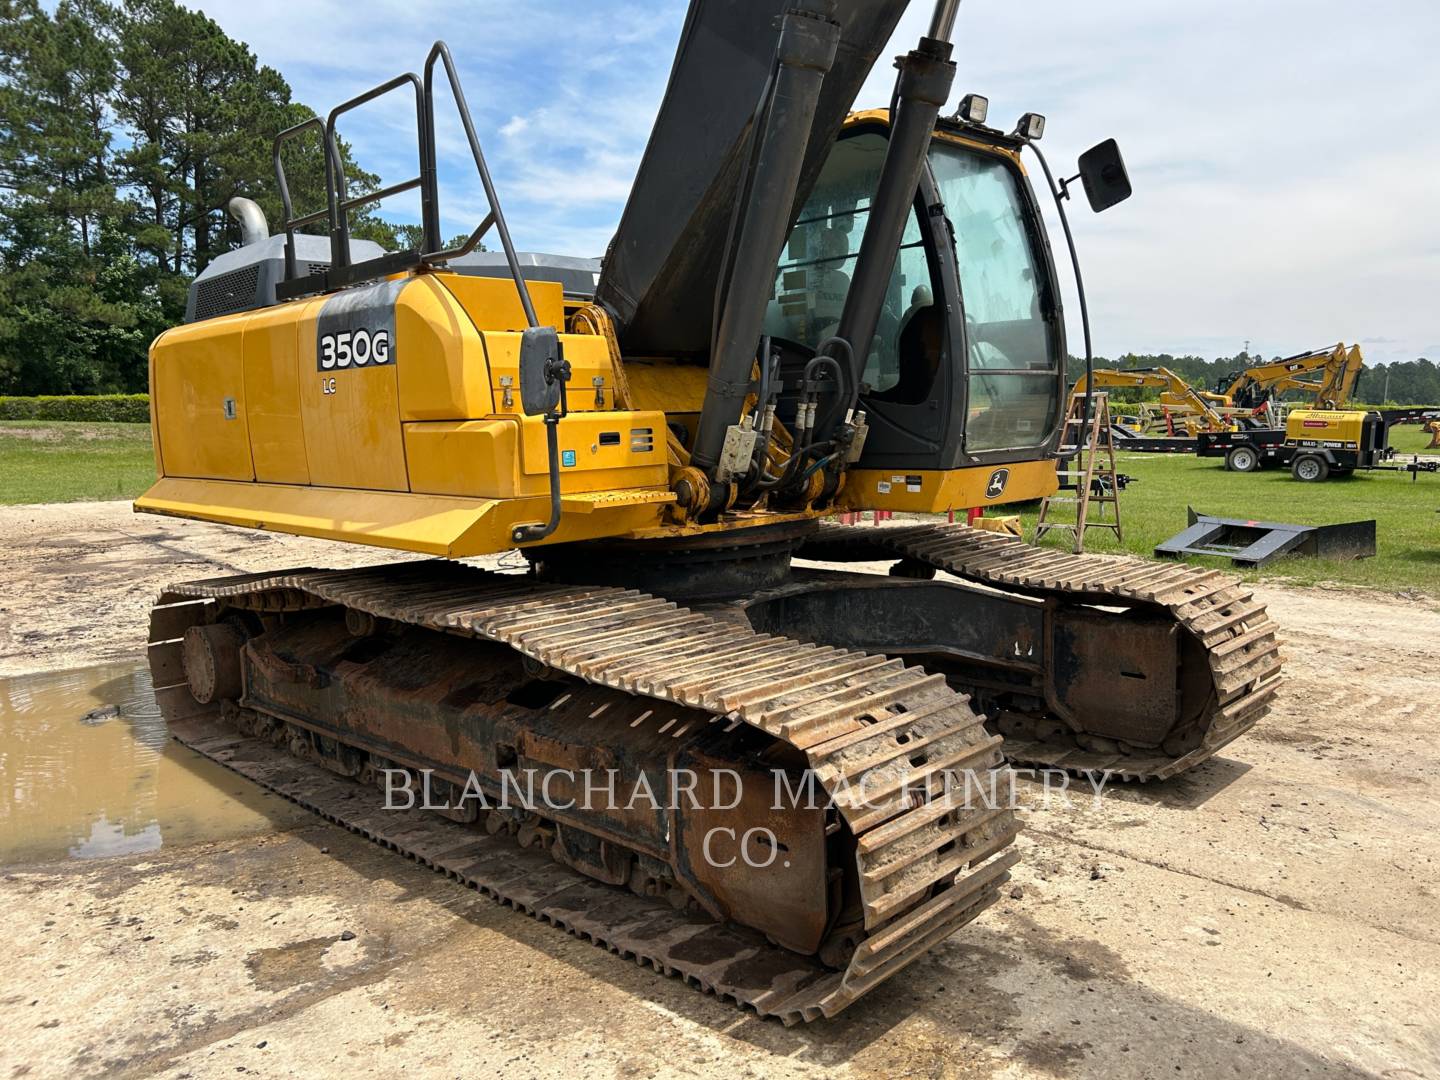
x: 87, y: 770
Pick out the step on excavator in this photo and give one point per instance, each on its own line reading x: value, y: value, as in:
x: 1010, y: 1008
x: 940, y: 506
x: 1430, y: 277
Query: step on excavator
x: 803, y: 312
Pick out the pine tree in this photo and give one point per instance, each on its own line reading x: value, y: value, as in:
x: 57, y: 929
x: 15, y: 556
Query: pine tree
x: 124, y: 133
x: 75, y: 310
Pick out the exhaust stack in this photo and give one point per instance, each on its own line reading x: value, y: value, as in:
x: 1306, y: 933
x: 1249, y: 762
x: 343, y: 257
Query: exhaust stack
x: 253, y: 226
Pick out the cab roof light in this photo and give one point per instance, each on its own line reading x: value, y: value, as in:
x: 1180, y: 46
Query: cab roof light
x: 1031, y: 127
x: 974, y: 108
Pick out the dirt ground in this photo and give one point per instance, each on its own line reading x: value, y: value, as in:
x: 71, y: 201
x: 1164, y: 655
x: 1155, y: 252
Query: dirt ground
x: 1271, y: 913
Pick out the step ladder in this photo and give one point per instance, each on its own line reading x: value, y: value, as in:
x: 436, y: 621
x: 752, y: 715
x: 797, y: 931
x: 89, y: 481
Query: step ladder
x: 1086, y: 471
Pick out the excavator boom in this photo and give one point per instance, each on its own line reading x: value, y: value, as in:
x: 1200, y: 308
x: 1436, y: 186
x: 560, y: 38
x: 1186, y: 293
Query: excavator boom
x: 1212, y: 412
x: 662, y: 270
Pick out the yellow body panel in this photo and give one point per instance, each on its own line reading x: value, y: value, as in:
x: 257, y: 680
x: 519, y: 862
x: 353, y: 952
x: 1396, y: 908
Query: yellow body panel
x: 592, y: 373
x: 461, y: 339
x: 198, y: 402
x: 469, y: 458
x: 440, y: 354
x: 675, y: 388
x: 612, y: 449
x: 351, y: 418
x: 493, y: 304
x: 1334, y: 425
x: 935, y: 492
x: 425, y: 451
x: 272, y: 397
x: 506, y: 457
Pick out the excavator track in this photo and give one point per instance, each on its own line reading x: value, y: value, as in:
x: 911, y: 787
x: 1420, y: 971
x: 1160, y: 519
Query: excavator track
x: 888, y: 743
x: 1238, y: 639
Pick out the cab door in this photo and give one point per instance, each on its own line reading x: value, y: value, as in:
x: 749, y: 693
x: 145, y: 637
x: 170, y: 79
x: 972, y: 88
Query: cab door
x: 1012, y: 326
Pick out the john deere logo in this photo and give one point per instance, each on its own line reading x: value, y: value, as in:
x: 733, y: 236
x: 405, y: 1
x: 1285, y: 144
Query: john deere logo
x: 996, y: 487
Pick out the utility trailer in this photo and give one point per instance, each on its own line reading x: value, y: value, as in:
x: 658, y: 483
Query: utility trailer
x: 1128, y: 441
x: 1314, y: 444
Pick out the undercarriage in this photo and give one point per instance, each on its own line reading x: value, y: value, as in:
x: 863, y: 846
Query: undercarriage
x: 785, y: 793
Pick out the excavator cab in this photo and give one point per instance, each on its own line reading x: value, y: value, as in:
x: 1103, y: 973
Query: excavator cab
x: 966, y: 368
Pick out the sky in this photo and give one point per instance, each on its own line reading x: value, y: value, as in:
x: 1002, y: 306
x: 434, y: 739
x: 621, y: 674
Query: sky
x: 1283, y: 152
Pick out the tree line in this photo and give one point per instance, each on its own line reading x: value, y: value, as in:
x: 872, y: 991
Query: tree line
x: 125, y: 129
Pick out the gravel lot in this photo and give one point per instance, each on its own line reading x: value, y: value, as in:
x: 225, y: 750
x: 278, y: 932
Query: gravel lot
x: 1272, y: 913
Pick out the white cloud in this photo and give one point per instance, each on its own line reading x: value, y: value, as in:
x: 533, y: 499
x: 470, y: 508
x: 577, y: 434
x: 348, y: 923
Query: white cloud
x: 514, y: 126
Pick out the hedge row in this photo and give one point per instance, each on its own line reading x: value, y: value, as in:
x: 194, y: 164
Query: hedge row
x: 115, y: 408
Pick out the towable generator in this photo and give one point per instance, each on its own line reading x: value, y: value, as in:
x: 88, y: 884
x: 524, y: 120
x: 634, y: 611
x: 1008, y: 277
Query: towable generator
x: 802, y: 312
x: 1315, y: 444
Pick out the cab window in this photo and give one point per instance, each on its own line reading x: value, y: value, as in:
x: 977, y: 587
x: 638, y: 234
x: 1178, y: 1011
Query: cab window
x: 815, y: 271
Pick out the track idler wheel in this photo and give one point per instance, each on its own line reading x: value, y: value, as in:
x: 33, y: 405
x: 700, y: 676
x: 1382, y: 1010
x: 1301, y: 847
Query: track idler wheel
x: 211, y: 656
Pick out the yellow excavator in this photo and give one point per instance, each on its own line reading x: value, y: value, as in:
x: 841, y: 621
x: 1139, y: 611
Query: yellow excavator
x: 751, y: 763
x: 1195, y: 410
x: 1338, y: 369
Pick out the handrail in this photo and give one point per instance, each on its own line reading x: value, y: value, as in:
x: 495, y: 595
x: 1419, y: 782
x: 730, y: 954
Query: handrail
x: 291, y: 222
x: 339, y: 203
x: 441, y: 51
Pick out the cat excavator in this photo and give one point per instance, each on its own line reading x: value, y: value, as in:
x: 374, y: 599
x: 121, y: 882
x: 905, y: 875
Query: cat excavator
x: 1257, y: 386
x: 763, y: 767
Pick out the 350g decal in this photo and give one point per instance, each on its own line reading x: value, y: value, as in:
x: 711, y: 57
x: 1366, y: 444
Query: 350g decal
x: 356, y: 330
x: 353, y: 348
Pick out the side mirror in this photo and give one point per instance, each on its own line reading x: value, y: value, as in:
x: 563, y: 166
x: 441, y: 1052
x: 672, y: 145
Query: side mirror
x: 542, y: 370
x: 1102, y: 171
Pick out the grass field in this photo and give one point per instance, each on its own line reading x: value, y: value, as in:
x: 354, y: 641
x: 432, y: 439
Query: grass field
x: 1152, y: 509
x: 1411, y: 439
x: 43, y: 461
